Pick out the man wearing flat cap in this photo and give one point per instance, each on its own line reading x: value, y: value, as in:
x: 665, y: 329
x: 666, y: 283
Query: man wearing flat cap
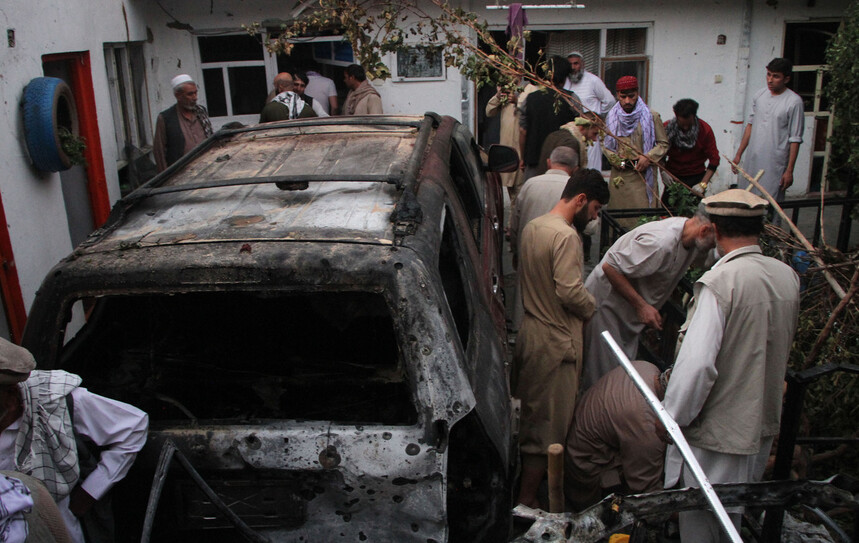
x: 180, y: 127
x: 639, y: 142
x: 42, y: 413
x: 726, y: 388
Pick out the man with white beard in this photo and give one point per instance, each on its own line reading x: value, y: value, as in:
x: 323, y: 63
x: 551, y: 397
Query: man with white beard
x: 594, y: 95
x: 633, y: 280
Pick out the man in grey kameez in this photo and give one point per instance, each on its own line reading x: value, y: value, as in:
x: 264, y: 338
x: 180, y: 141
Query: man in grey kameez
x: 726, y: 389
x: 633, y: 280
x: 772, y: 137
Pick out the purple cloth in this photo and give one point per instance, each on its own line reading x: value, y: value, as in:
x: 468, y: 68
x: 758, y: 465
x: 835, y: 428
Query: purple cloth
x: 516, y: 20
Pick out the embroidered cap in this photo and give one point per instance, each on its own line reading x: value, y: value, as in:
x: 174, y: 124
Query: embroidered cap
x: 16, y: 363
x: 735, y: 203
x: 575, y: 54
x: 180, y: 79
x: 627, y: 82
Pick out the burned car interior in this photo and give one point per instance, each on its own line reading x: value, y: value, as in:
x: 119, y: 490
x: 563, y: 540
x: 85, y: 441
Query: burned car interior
x: 237, y: 356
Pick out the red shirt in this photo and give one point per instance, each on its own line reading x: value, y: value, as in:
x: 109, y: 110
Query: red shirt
x: 683, y: 162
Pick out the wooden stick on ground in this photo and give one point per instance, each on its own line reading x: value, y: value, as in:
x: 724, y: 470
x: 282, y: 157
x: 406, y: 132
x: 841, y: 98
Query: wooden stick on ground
x: 802, y: 239
x: 556, y: 478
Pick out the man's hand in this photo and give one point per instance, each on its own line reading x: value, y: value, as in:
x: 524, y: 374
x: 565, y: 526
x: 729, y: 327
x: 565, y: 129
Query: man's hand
x: 642, y: 164
x: 736, y: 161
x: 650, y: 316
x: 522, y: 165
x: 80, y: 502
x: 786, y: 180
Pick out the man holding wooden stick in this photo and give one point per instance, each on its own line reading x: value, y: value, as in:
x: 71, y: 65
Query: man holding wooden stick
x: 772, y: 137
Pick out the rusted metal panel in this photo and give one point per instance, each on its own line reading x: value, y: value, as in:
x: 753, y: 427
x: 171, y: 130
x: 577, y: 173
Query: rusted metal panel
x: 357, y: 212
x: 384, y: 483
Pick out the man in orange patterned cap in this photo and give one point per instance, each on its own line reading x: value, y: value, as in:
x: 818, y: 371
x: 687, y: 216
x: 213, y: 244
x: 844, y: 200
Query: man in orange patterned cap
x: 640, y: 142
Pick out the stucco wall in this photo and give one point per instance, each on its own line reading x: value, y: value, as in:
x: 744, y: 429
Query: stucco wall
x: 33, y: 200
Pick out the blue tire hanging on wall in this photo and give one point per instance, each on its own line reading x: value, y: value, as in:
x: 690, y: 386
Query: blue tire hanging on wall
x: 49, y: 107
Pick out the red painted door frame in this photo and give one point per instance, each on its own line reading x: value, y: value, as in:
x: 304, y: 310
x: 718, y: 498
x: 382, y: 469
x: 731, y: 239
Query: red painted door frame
x: 80, y: 71
x: 10, y: 287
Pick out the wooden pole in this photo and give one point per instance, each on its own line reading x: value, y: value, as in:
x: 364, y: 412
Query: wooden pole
x: 556, y: 478
x: 802, y: 239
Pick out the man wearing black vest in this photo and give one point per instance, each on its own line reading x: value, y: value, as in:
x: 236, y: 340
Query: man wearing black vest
x: 182, y: 126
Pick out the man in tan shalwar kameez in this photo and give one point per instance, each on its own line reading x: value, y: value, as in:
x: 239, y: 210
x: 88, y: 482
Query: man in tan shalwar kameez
x: 547, y: 360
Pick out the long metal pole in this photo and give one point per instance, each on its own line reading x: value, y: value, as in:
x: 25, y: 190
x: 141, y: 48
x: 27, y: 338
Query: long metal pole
x: 679, y: 440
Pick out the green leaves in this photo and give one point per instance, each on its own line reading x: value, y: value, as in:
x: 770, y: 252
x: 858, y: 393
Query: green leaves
x: 841, y: 55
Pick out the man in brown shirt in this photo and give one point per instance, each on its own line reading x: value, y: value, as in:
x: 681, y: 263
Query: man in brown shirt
x: 182, y: 126
x: 546, y: 363
x: 611, y: 445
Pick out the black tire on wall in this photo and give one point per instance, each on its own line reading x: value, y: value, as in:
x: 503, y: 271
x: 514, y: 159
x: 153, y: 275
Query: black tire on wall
x: 48, y: 105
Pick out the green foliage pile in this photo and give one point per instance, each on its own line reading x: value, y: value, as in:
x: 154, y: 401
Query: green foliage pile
x: 831, y: 405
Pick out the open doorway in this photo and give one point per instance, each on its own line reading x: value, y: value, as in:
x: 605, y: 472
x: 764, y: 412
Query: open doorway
x: 84, y: 186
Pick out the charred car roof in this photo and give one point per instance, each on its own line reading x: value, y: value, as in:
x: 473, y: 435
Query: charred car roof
x: 252, y: 184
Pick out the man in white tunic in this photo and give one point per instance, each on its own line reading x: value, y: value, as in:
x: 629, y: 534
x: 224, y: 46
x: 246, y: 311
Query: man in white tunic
x: 38, y: 424
x: 633, y: 280
x: 537, y: 197
x: 594, y: 95
x: 772, y: 137
x: 726, y: 388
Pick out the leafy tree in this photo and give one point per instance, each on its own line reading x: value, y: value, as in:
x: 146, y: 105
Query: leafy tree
x: 841, y: 90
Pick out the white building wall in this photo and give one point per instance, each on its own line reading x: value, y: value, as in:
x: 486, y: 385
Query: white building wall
x: 175, y: 51
x: 685, y: 59
x: 33, y: 200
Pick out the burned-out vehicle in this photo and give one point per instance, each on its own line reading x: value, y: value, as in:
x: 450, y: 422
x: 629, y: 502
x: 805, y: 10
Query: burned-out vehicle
x: 311, y: 313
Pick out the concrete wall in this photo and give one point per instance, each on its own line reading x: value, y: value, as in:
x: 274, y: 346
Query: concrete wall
x: 33, y: 200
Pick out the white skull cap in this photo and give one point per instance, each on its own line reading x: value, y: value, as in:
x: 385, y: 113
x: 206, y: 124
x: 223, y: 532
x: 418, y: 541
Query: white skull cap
x: 180, y: 80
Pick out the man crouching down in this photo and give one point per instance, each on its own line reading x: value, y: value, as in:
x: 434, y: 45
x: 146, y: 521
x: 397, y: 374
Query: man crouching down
x: 547, y: 361
x: 611, y: 445
x: 41, y: 412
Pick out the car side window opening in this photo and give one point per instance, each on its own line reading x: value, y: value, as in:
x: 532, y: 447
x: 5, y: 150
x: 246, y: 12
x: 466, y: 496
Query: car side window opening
x: 450, y: 268
x: 466, y: 188
x: 239, y: 356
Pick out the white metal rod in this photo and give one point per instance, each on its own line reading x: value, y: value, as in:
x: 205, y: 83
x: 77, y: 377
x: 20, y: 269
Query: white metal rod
x: 679, y: 440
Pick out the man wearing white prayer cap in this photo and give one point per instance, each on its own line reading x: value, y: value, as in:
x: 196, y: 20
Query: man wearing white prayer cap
x: 182, y: 126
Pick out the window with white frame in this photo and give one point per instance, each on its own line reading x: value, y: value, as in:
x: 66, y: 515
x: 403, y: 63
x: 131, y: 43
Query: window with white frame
x: 610, y: 53
x: 126, y: 77
x: 805, y: 45
x: 237, y: 76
